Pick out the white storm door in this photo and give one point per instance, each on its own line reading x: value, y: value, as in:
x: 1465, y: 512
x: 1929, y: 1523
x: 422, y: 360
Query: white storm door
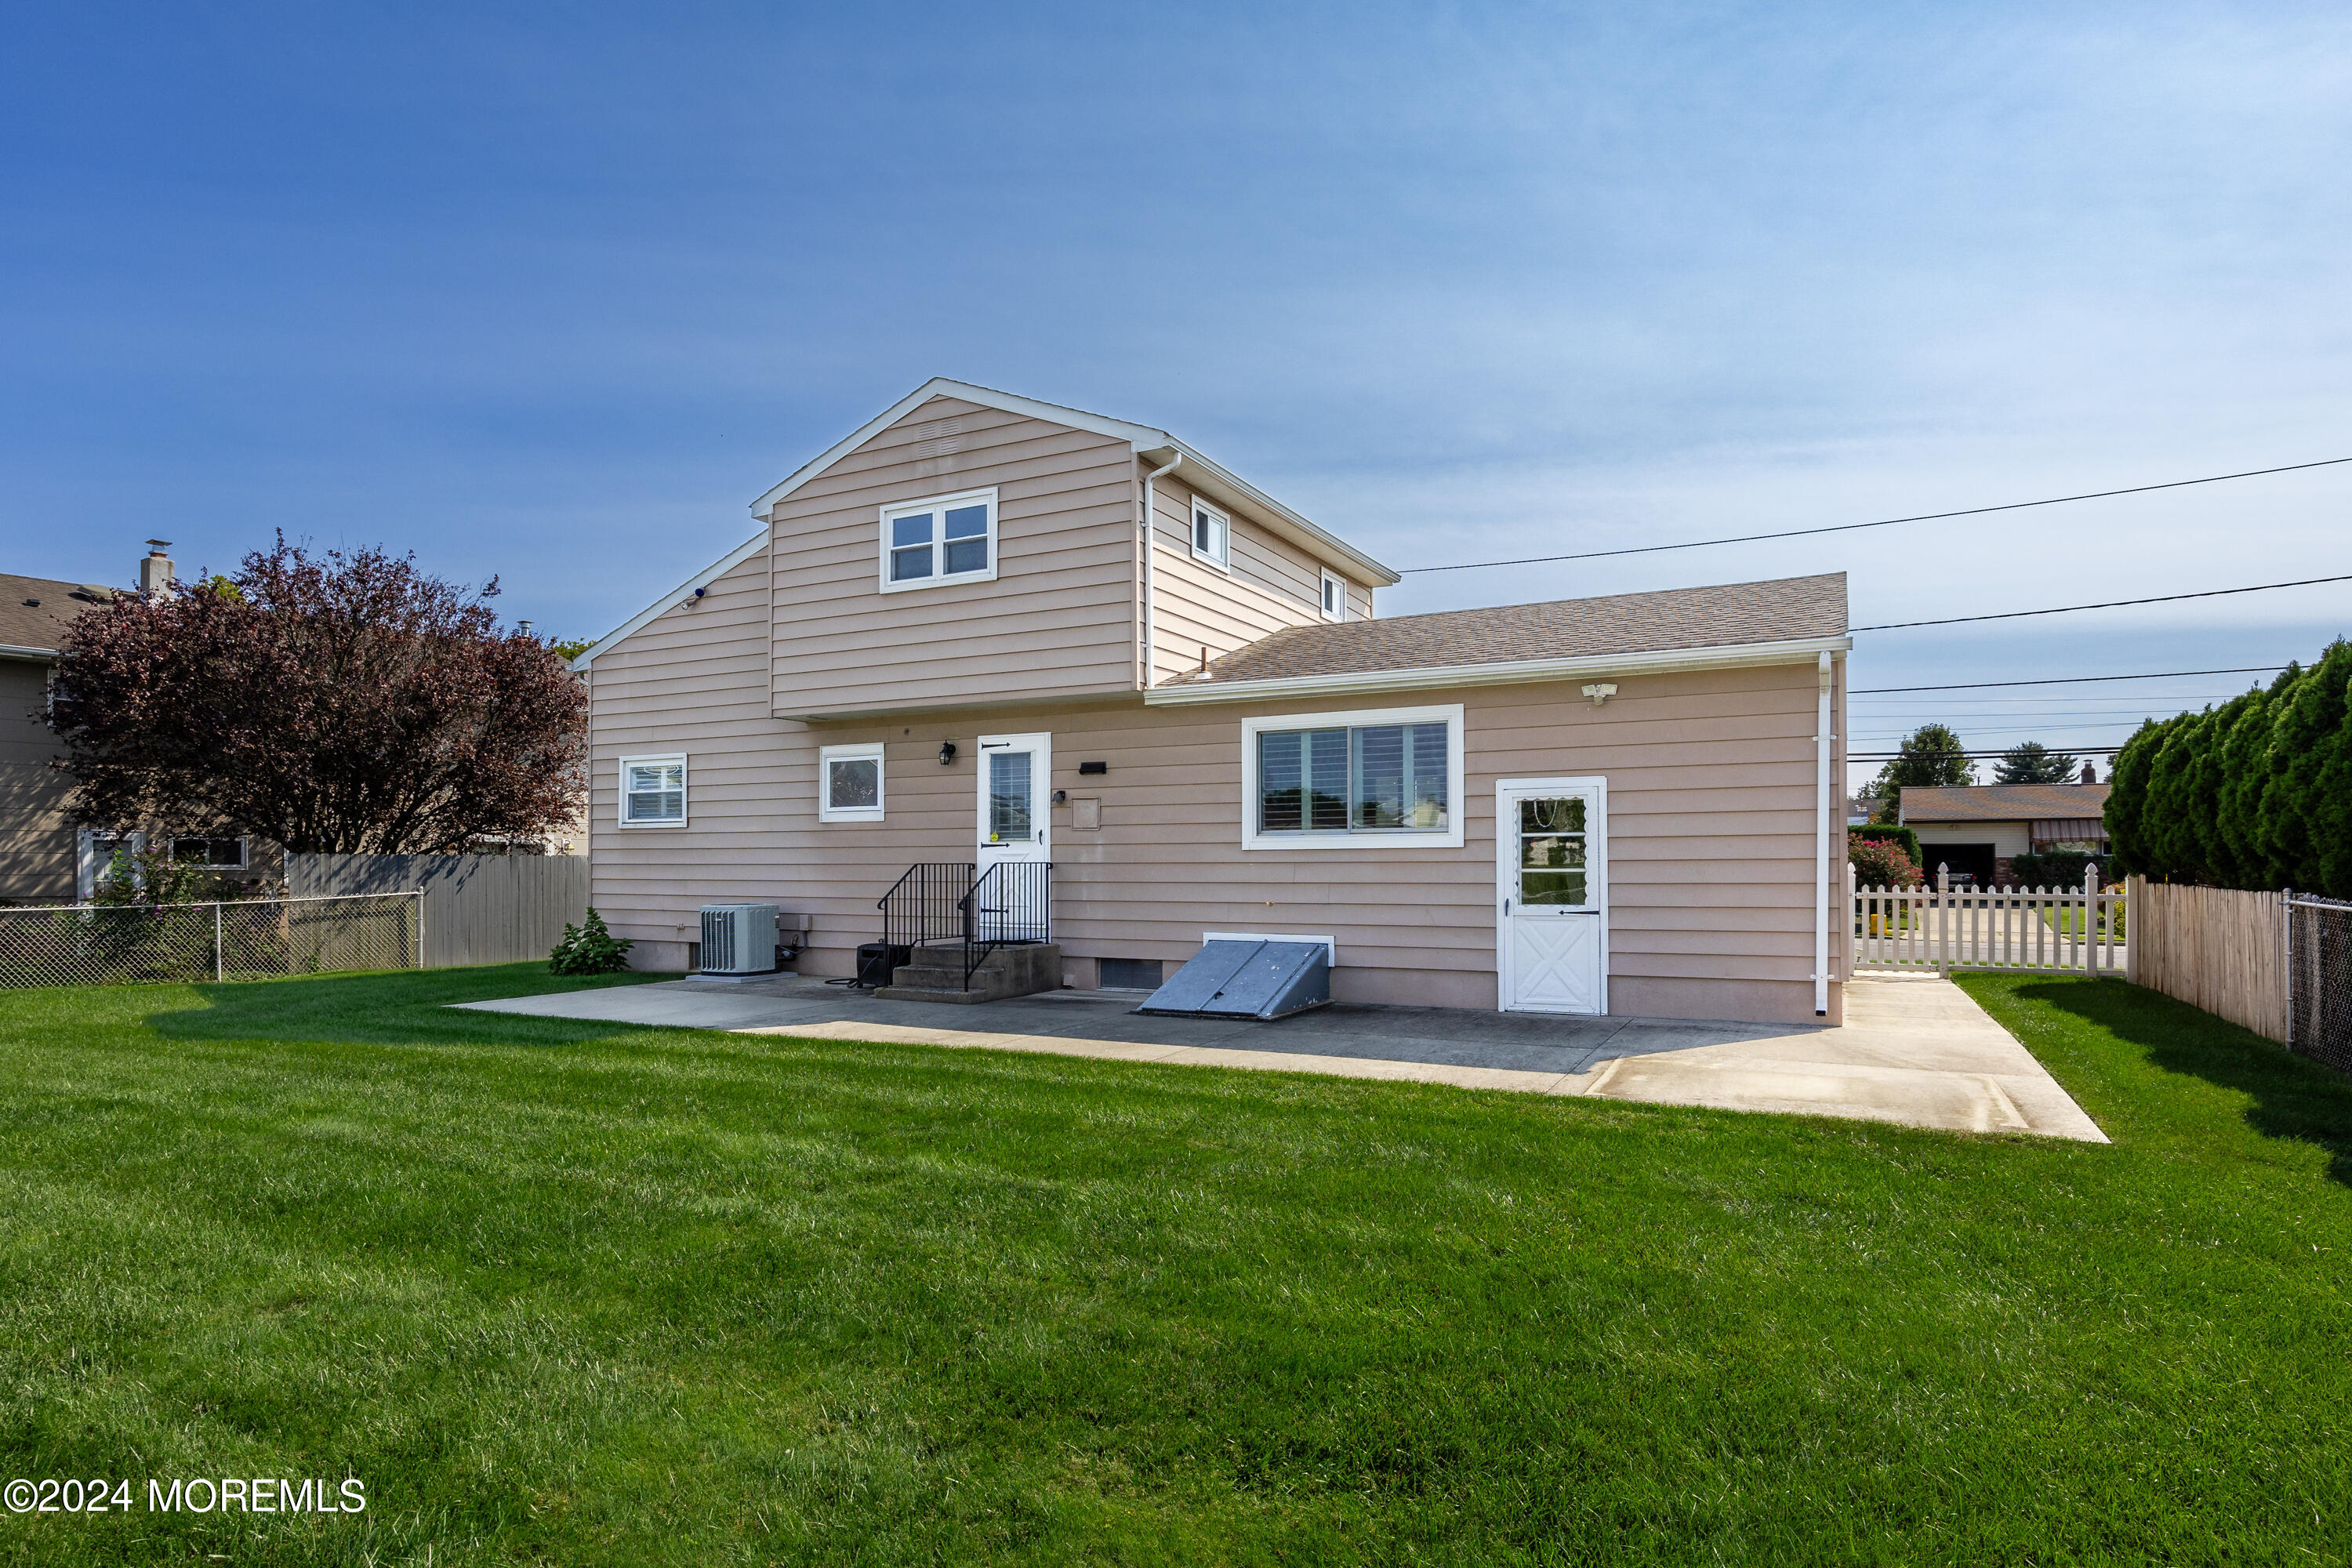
x: 1015, y: 774
x: 1553, y: 895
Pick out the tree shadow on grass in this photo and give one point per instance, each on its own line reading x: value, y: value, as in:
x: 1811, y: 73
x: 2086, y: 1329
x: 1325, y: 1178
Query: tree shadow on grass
x: 2290, y: 1098
x: 406, y: 1007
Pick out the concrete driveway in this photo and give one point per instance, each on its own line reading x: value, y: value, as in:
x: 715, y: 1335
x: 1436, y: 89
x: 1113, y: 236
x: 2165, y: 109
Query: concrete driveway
x: 1914, y: 1049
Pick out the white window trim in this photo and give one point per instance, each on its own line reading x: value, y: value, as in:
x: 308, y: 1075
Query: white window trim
x: 1224, y: 562
x: 243, y: 862
x: 1339, y: 610
x: 1357, y: 838
x: 938, y: 542
x: 685, y: 793
x: 862, y: 752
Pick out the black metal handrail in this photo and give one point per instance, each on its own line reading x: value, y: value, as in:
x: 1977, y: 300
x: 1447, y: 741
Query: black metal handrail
x: 938, y: 902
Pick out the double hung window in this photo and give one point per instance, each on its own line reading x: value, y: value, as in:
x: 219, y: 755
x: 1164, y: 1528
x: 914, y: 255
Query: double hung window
x: 652, y: 791
x: 849, y: 782
x: 947, y: 539
x: 1382, y: 777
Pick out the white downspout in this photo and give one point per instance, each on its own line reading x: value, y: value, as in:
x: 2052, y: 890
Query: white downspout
x: 1151, y: 647
x: 1821, y: 847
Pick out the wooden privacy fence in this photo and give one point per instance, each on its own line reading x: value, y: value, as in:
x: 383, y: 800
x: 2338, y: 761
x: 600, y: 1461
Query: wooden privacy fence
x: 478, y: 909
x: 2220, y: 949
x: 2077, y: 931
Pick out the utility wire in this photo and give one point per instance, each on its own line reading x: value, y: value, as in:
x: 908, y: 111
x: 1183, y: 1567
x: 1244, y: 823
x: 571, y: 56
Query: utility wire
x: 1882, y: 522
x: 2067, y: 680
x: 2107, y: 604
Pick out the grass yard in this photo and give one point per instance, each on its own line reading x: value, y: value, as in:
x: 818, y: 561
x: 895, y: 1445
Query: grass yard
x: 578, y: 1294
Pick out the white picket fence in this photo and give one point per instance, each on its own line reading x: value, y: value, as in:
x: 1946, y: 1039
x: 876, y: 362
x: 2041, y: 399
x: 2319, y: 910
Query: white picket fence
x: 2075, y: 931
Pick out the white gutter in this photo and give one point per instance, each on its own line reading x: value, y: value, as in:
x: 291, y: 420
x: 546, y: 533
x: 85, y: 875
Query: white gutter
x: 8, y: 652
x: 1660, y: 661
x: 1822, y: 846
x: 1146, y: 533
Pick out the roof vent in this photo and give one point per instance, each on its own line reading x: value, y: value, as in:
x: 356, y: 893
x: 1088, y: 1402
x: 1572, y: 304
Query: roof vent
x: 939, y: 437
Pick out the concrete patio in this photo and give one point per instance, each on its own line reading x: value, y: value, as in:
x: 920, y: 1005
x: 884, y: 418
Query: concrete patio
x: 1914, y: 1049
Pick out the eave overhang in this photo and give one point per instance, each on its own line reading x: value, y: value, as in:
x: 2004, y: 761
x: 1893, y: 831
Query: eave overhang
x: 1511, y: 672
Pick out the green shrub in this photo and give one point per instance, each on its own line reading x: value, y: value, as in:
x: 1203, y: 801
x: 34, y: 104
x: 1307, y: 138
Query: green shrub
x: 589, y: 949
x: 1890, y: 833
x: 2053, y: 868
x: 1881, y: 863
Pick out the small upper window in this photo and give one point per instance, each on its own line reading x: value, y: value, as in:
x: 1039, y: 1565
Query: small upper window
x: 1335, y: 598
x: 850, y: 779
x: 652, y: 791
x: 1209, y: 531
x: 947, y: 539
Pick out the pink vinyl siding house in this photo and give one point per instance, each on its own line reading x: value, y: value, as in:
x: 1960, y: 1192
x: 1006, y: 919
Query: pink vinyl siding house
x: 987, y: 630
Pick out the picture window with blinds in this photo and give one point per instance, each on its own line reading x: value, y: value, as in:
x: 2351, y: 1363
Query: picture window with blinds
x: 652, y: 791
x: 1212, y: 532
x: 942, y: 540
x: 849, y: 782
x: 1319, y: 781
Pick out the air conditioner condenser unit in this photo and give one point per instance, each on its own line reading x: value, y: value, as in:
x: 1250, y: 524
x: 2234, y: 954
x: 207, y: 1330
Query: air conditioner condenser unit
x: 739, y: 939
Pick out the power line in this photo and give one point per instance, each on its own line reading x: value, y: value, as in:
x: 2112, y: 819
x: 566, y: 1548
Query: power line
x: 2108, y: 604
x: 1974, y: 756
x: 2065, y: 679
x: 1882, y: 522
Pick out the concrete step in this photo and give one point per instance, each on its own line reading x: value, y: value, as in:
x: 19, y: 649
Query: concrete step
x: 936, y: 974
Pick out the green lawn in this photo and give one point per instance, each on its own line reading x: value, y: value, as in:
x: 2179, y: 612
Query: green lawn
x: 584, y: 1294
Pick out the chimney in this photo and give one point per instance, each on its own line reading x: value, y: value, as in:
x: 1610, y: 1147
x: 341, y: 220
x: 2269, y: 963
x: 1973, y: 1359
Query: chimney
x: 2090, y: 774
x: 155, y: 569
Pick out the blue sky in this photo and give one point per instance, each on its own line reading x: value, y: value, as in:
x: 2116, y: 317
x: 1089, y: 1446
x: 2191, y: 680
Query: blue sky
x: 555, y: 293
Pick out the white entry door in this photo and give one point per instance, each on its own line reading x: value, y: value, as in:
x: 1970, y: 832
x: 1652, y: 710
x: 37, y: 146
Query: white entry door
x: 1553, y: 876
x: 1015, y: 825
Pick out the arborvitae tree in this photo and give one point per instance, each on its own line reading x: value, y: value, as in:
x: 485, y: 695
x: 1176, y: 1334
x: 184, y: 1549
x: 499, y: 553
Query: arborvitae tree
x: 2171, y: 826
x: 2245, y: 760
x: 2257, y: 793
x: 2126, y: 814
x: 2296, y: 820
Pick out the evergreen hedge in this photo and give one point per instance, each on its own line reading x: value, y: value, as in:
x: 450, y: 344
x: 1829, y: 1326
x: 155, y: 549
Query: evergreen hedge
x: 1889, y: 833
x: 2254, y: 793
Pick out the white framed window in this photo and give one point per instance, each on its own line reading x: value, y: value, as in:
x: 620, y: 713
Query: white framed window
x: 1212, y: 534
x: 941, y: 540
x: 652, y: 791
x: 1335, y: 598
x: 850, y: 782
x: 1378, y: 777
x: 213, y: 854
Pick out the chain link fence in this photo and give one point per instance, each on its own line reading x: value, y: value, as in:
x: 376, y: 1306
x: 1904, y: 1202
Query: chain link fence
x: 2319, y: 980
x: 122, y: 944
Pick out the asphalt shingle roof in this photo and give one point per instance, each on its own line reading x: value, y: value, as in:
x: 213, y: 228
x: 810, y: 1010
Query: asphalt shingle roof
x: 34, y: 611
x: 2004, y: 803
x: 1780, y: 609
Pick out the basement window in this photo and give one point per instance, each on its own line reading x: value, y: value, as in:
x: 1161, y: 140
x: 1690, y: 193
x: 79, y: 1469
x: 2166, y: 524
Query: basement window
x: 1384, y: 777
x: 946, y: 539
x: 652, y: 791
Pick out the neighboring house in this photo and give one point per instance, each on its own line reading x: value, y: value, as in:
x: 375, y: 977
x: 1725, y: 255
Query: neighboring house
x: 43, y: 859
x: 982, y: 630
x: 1861, y: 810
x: 1978, y: 829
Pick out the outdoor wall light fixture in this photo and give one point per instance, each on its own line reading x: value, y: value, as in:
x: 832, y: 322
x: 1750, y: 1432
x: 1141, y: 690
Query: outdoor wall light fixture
x: 1601, y: 692
x: 947, y: 753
